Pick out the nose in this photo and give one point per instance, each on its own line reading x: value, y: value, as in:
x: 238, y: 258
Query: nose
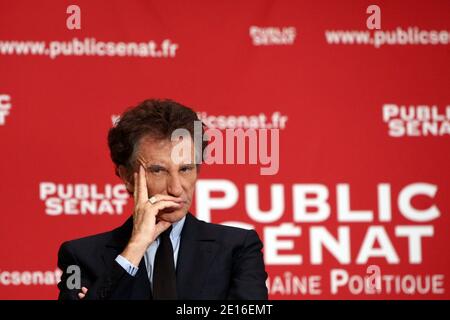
x: 174, y: 187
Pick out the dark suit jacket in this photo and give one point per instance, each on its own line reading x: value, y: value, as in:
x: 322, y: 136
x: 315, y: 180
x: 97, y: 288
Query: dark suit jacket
x: 214, y: 262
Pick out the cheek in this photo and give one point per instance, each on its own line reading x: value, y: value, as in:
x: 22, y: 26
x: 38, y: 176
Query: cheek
x: 189, y: 184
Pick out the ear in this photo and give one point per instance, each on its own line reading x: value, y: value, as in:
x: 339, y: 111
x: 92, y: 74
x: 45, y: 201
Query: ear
x: 127, y: 178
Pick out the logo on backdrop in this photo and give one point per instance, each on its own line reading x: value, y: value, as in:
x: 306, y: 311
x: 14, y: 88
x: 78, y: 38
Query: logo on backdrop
x: 276, y: 120
x: 90, y: 47
x: 416, y: 120
x: 272, y: 36
x: 30, y: 277
x: 5, y: 106
x: 383, y: 236
x: 83, y: 199
x: 377, y: 37
x: 257, y: 121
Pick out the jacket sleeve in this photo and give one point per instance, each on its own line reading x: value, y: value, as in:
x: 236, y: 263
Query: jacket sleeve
x: 103, y: 287
x: 248, y: 273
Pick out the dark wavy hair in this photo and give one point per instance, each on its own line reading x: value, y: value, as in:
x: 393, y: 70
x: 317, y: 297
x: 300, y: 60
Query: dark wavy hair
x: 153, y: 117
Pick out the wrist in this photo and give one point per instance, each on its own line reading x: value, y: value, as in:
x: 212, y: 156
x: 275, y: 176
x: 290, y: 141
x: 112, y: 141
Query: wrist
x: 134, y: 251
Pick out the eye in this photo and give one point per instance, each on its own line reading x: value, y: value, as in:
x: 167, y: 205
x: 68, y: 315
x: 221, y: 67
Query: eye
x: 186, y: 169
x: 155, y: 169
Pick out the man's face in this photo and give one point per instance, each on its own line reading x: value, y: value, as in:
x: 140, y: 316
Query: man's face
x: 167, y: 176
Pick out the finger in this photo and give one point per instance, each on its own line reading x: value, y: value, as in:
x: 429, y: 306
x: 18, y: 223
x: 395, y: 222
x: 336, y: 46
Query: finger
x: 135, y: 177
x: 163, y: 204
x: 160, y: 197
x: 142, y: 186
x: 160, y: 227
x: 81, y: 295
x: 84, y: 290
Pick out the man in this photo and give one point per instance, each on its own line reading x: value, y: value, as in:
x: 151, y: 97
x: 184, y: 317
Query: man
x: 162, y: 251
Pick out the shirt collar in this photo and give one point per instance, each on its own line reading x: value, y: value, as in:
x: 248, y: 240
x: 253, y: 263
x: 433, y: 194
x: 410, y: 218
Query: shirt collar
x: 176, y: 228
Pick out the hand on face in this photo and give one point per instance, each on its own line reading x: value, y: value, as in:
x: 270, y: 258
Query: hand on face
x: 148, y: 222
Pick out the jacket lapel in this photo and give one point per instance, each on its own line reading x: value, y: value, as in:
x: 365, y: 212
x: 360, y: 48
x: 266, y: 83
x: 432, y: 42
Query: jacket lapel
x: 198, y: 249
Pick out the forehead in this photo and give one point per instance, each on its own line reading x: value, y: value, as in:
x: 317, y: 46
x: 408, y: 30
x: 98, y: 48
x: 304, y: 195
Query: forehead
x: 150, y: 149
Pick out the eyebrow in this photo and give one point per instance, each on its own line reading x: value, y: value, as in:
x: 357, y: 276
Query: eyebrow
x: 161, y: 167
x: 156, y: 166
x: 184, y: 165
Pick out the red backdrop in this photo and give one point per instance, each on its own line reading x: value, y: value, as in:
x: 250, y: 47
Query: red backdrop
x: 366, y: 123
